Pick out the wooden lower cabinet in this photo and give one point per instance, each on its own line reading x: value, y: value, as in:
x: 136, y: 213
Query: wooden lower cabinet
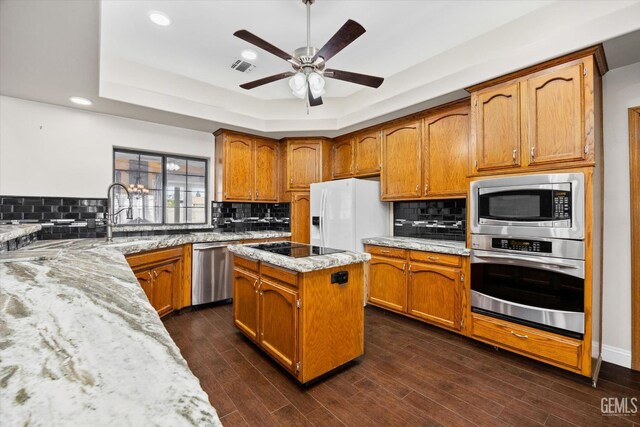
x: 293, y: 316
x: 165, y: 277
x: 387, y: 283
x: 279, y: 322
x: 423, y: 285
x: 434, y: 293
x: 245, y: 297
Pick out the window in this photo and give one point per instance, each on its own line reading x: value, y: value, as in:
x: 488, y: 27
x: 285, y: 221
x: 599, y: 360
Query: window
x: 166, y: 189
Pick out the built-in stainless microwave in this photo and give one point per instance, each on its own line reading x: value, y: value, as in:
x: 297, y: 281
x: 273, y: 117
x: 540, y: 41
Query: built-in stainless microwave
x: 543, y: 205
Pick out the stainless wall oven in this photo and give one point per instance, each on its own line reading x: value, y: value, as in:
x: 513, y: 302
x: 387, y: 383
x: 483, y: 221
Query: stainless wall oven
x: 543, y: 205
x: 535, y: 282
x: 528, y: 253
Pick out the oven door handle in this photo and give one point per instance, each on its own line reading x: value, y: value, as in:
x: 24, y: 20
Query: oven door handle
x: 533, y: 261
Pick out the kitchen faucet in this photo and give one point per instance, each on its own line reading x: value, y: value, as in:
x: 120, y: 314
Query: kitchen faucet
x: 111, y: 216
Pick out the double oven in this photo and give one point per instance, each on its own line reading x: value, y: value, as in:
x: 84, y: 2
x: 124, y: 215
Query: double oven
x: 528, y: 250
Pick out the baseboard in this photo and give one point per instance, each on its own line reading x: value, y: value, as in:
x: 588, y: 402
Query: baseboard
x: 616, y: 355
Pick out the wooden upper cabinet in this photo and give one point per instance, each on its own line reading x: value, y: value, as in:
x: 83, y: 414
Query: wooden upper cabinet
x: 238, y: 170
x: 278, y: 313
x: 367, y: 153
x: 245, y: 301
x: 300, y: 217
x: 446, y: 143
x: 497, y: 127
x: 387, y: 286
x: 435, y: 294
x: 246, y: 168
x: 343, y: 158
x: 401, y: 175
x: 555, y: 130
x: 266, y: 171
x: 307, y: 162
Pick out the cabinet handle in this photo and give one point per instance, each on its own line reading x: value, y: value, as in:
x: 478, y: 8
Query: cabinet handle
x: 261, y: 292
x: 533, y: 153
x: 291, y: 181
x: 426, y: 188
x: 409, y: 268
x: 417, y: 187
x: 150, y: 277
x: 404, y: 267
x: 155, y: 273
x: 384, y: 251
x: 434, y: 258
x: 257, y: 194
x: 524, y: 337
x: 513, y: 155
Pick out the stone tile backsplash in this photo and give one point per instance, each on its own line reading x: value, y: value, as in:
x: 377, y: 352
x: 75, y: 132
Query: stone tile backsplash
x: 431, y: 219
x: 236, y: 217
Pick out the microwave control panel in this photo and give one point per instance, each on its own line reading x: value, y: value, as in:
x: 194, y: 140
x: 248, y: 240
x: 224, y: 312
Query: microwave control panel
x: 522, y: 245
x: 561, y: 205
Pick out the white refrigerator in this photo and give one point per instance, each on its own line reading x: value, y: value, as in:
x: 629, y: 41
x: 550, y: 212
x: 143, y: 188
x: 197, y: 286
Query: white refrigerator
x: 345, y: 211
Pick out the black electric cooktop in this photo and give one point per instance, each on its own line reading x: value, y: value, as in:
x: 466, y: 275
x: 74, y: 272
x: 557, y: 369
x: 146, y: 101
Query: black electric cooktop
x: 295, y: 250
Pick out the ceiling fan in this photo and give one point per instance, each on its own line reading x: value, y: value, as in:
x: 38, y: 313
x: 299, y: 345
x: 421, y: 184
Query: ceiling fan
x: 307, y: 79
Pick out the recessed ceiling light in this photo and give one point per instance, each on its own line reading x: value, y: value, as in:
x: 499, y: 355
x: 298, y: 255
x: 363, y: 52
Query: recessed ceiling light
x: 249, y: 55
x: 80, y: 101
x: 160, y: 18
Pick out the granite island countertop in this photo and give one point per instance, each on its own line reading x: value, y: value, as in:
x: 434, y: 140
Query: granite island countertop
x: 10, y: 231
x: 81, y: 344
x: 301, y: 265
x: 429, y: 245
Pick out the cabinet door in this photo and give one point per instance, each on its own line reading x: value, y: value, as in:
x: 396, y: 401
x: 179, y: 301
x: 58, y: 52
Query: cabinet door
x: 387, y: 287
x: 304, y: 163
x: 498, y: 128
x: 238, y: 168
x: 279, y: 322
x: 245, y: 302
x: 446, y: 147
x: 401, y: 175
x: 300, y: 217
x: 367, y: 153
x: 555, y: 127
x: 145, y: 278
x: 343, y: 158
x: 435, y: 294
x: 165, y: 279
x: 266, y: 171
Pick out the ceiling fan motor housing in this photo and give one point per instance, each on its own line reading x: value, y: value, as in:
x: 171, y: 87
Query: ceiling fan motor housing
x: 305, y: 56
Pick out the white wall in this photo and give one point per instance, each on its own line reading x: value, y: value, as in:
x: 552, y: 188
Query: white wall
x: 621, y: 89
x: 47, y: 150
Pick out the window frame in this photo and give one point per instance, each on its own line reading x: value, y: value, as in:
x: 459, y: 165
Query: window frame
x: 164, y: 157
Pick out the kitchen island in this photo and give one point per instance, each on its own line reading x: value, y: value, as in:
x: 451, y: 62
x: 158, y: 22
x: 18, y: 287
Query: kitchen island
x: 306, y: 312
x: 80, y: 344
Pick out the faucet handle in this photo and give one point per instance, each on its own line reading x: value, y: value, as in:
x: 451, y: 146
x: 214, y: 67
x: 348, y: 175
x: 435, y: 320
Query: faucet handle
x: 129, y: 213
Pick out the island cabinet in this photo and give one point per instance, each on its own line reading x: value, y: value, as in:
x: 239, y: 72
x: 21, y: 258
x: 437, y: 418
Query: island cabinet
x: 544, y: 117
x: 308, y: 161
x: 303, y: 321
x: 246, y: 168
x: 165, y: 277
x: 424, y: 285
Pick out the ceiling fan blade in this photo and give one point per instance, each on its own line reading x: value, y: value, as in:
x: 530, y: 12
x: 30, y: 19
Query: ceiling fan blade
x: 266, y: 80
x: 313, y: 102
x: 263, y: 44
x: 350, y: 31
x: 348, y: 76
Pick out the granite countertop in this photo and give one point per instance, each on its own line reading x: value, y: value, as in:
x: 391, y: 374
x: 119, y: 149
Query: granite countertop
x: 10, y: 232
x: 301, y: 265
x: 80, y: 343
x: 429, y: 245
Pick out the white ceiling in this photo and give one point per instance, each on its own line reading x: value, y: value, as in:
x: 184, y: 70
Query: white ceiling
x: 427, y: 51
x: 199, y: 43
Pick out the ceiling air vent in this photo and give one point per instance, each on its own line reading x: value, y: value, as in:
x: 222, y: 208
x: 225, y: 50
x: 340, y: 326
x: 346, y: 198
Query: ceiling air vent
x: 242, y: 66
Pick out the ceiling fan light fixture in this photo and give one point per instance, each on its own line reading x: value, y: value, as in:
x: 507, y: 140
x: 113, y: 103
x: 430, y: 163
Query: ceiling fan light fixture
x: 316, y: 84
x: 298, y: 82
x: 300, y: 93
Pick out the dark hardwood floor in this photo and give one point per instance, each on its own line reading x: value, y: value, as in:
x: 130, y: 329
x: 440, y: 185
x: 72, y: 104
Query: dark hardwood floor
x: 411, y: 374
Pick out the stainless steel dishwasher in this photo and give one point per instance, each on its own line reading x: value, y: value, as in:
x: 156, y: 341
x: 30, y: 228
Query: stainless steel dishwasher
x: 212, y: 272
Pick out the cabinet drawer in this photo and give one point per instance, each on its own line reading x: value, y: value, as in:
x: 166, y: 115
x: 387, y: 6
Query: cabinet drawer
x: 245, y: 263
x: 282, y: 275
x: 385, y: 251
x: 436, y: 258
x: 560, y: 351
x: 153, y: 257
